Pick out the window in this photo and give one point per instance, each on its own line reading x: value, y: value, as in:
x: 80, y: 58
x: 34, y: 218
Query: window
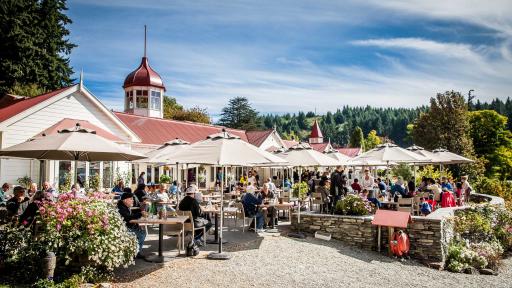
x: 155, y: 100
x: 157, y: 174
x: 107, y: 174
x: 81, y: 174
x: 148, y: 174
x: 129, y: 100
x: 64, y: 173
x: 142, y: 99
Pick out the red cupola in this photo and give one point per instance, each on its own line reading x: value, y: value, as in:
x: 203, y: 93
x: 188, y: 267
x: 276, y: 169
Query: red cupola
x: 316, y: 134
x: 144, y: 75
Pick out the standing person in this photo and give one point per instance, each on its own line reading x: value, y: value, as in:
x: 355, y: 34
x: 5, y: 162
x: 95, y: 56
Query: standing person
x: 3, y: 193
x: 411, y: 186
x: 459, y: 194
x: 466, y: 188
x: 338, y: 184
x: 123, y: 206
x: 435, y: 189
x: 18, y: 203
x: 446, y: 184
x: 256, y: 178
x: 367, y: 182
x: 323, y: 189
x: 251, y: 178
x: 140, y: 180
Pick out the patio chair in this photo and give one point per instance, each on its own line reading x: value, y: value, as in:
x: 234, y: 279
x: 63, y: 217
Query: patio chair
x: 416, y: 205
x: 406, y: 205
x: 189, y: 226
x: 316, y: 199
x: 240, y: 207
x: 175, y: 230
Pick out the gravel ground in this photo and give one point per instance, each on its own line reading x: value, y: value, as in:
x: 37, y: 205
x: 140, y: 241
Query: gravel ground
x: 277, y: 261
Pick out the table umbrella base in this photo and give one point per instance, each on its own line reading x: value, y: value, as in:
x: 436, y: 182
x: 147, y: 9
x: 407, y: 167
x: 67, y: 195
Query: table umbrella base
x: 213, y: 241
x: 155, y: 259
x: 219, y: 256
x: 297, y: 235
x: 272, y: 230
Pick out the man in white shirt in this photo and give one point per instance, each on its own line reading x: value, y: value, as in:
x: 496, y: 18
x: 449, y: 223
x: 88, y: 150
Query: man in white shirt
x: 367, y: 181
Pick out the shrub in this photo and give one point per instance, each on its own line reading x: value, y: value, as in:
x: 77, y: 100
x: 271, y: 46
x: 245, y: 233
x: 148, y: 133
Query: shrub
x: 165, y: 179
x: 461, y: 257
x: 403, y: 170
x: 300, y: 190
x: 495, y: 187
x: 430, y: 171
x: 353, y: 205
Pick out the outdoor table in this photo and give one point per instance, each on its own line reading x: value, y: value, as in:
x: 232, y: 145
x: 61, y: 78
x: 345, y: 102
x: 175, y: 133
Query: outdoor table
x: 216, y: 212
x: 389, y: 203
x: 277, y: 206
x: 161, y: 222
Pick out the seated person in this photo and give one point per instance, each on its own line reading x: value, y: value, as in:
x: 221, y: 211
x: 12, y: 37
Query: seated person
x: 162, y: 196
x: 123, y: 206
x: 250, y: 187
x: 432, y: 202
x: 268, y: 196
x: 356, y: 186
x: 250, y: 201
x: 425, y: 207
x: 381, y: 185
x: 447, y: 198
x: 118, y: 189
x: 173, y: 190
x: 18, y: 203
x: 141, y: 192
x: 27, y: 218
x: 190, y: 203
x: 365, y: 195
x: 446, y: 184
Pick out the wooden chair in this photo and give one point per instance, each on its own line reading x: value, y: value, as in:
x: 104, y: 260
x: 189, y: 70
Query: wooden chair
x: 175, y: 230
x: 240, y: 207
x: 316, y: 199
x: 286, y: 198
x: 189, y: 226
x: 405, y: 205
x: 416, y: 205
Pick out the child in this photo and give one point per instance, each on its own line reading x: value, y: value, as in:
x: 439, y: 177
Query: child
x: 432, y: 202
x: 458, y: 193
x: 425, y: 207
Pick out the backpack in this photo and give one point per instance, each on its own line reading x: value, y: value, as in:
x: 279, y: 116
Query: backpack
x: 192, y: 249
x: 426, y: 208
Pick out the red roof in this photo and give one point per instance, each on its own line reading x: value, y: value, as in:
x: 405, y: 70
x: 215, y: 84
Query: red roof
x: 158, y: 131
x: 320, y: 147
x: 144, y: 75
x: 392, y: 218
x: 257, y: 138
x: 315, y: 131
x: 350, y: 152
x: 290, y: 143
x: 70, y: 123
x: 20, y: 106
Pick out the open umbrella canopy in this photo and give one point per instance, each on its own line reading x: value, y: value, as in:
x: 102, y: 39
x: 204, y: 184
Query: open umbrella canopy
x: 72, y: 144
x: 224, y: 149
x: 340, y: 157
x: 302, y: 155
x: 162, y: 153
x: 387, y: 153
x: 446, y: 157
x: 423, y: 152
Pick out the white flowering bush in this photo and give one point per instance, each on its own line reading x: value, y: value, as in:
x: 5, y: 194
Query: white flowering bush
x: 354, y: 205
x: 87, y: 230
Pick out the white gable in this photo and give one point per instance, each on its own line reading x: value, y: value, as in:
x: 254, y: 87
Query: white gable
x: 75, y: 106
x: 272, y: 140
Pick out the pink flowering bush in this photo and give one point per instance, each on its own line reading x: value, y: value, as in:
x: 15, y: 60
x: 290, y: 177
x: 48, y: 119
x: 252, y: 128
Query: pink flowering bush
x: 91, y: 228
x: 354, y: 205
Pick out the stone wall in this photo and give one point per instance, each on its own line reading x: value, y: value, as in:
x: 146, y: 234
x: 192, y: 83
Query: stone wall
x: 426, y: 235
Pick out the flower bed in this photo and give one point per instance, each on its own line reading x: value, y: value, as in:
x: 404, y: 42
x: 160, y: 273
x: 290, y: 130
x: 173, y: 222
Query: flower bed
x: 481, y: 235
x: 86, y: 232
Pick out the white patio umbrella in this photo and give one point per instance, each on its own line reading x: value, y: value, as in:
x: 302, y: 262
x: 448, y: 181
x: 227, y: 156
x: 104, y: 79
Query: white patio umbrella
x: 302, y: 155
x: 160, y: 155
x: 74, y: 144
x: 446, y: 157
x: 224, y: 149
x: 388, y: 152
x: 340, y: 157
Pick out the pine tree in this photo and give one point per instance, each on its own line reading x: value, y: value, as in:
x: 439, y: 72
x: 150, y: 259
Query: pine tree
x: 357, y: 138
x: 34, y: 47
x: 239, y: 114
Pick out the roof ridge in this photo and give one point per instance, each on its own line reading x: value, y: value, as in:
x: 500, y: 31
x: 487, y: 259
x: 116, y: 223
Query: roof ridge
x: 180, y: 121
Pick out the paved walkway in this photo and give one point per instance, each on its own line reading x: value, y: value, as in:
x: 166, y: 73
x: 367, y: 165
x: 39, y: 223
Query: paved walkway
x: 273, y: 260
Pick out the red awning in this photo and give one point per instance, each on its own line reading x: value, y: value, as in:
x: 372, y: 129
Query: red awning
x: 392, y: 218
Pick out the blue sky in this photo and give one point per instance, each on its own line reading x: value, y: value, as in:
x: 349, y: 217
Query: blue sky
x: 287, y: 56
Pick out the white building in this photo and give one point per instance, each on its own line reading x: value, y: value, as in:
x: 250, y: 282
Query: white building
x: 141, y: 127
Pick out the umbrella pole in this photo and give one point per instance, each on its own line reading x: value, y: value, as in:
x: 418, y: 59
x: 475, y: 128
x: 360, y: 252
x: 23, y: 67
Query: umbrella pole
x: 220, y: 255
x: 177, y: 179
x: 298, y: 234
x: 76, y: 173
